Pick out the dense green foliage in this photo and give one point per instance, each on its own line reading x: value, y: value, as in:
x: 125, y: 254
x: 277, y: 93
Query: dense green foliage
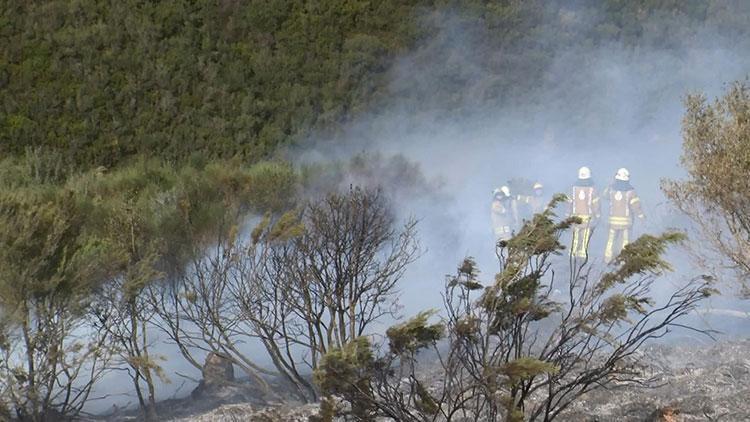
x: 104, y: 81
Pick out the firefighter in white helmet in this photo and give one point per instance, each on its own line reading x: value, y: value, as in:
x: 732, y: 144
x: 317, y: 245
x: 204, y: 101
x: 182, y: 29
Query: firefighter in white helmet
x: 623, y: 205
x: 504, y: 213
x: 536, y: 200
x: 584, y: 204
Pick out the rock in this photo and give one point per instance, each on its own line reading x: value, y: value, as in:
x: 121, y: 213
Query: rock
x: 217, y: 371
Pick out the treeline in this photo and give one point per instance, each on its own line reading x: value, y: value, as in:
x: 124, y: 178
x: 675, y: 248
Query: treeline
x: 528, y: 62
x: 101, y: 82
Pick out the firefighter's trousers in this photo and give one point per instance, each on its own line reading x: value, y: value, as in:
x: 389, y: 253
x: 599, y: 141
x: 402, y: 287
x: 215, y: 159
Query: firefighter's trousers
x: 581, y: 237
x: 502, y: 232
x: 618, y: 237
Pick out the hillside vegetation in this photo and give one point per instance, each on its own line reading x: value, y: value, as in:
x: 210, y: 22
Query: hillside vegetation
x: 98, y: 82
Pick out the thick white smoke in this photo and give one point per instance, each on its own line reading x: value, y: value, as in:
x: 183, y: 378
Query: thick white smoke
x: 604, y: 106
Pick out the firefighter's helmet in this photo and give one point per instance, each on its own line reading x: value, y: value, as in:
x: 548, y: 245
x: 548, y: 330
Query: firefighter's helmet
x: 622, y: 174
x: 584, y: 173
x: 505, y: 190
x: 501, y: 192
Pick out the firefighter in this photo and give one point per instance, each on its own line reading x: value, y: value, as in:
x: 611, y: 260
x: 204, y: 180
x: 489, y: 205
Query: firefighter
x: 504, y: 214
x: 528, y: 196
x: 584, y: 204
x: 536, y: 200
x: 623, y: 205
x: 521, y: 190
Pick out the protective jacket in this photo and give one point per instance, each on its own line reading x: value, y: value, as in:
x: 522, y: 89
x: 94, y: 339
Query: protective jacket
x: 584, y: 204
x: 504, y: 217
x: 537, y: 204
x: 624, y: 203
x: 584, y: 201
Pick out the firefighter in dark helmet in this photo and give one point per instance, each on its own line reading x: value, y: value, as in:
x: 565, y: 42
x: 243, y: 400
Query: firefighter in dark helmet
x: 584, y: 204
x: 624, y: 204
x: 529, y: 197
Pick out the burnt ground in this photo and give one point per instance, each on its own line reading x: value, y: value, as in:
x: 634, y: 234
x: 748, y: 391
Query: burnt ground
x: 696, y: 382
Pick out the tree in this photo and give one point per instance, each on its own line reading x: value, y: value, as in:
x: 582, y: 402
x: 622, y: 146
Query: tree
x: 161, y: 218
x: 515, y: 349
x: 333, y: 281
x: 83, y: 254
x: 135, y: 224
x: 50, y: 359
x: 300, y: 284
x: 716, y: 194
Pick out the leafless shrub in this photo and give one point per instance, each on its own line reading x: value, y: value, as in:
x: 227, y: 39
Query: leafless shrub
x: 300, y: 284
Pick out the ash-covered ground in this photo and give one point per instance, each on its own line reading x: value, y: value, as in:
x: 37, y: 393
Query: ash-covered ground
x: 694, y: 382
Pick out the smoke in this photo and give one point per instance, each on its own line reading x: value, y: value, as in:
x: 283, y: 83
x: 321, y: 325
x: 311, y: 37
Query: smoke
x: 472, y: 114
